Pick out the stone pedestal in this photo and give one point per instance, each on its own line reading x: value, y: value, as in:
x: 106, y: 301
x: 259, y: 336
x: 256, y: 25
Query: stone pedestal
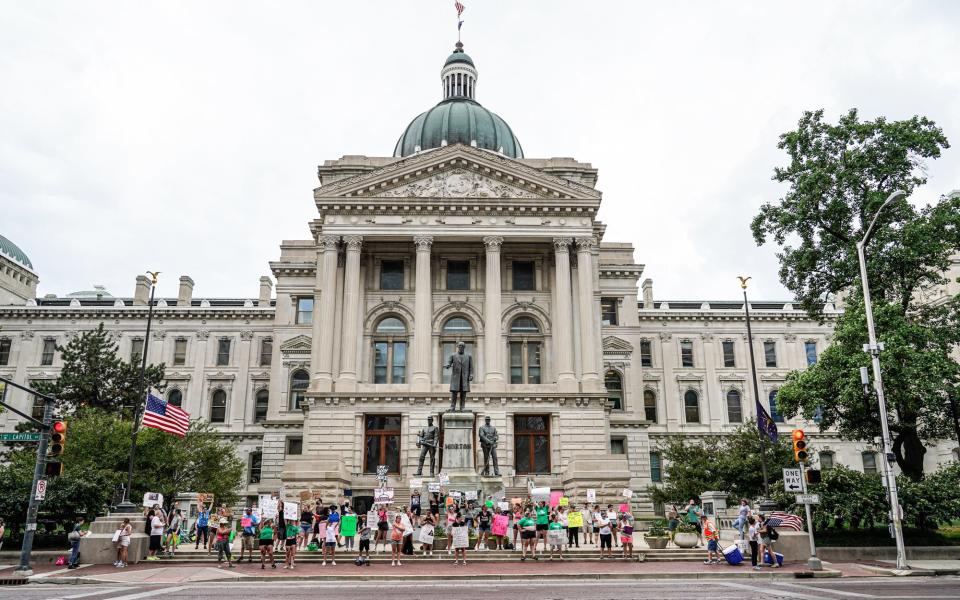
x: 98, y: 548
x: 458, y: 450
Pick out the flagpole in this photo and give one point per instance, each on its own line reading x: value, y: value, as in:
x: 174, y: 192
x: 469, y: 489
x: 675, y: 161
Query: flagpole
x: 756, y: 392
x: 127, y: 506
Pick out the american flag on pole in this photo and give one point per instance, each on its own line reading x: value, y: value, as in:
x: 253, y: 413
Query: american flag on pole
x: 459, y: 7
x: 165, y: 417
x: 785, y: 520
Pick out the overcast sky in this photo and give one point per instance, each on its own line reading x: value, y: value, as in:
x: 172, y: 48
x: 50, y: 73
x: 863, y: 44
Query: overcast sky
x: 184, y: 136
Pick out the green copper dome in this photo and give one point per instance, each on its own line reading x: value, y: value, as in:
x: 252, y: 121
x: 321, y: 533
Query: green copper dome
x: 458, y: 118
x: 13, y: 252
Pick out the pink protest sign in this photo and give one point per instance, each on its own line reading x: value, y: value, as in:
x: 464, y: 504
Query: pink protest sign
x: 555, y: 499
x: 246, y: 522
x: 624, y: 508
x: 323, y: 530
x: 500, y: 523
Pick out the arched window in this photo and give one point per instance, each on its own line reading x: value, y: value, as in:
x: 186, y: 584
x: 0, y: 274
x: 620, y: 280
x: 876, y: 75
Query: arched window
x: 390, y: 351
x: 299, y: 382
x: 691, y: 406
x: 650, y: 405
x: 218, y: 407
x: 614, y: 384
x: 261, y: 405
x: 525, y: 342
x: 175, y: 397
x: 774, y: 413
x: 734, y: 406
x: 455, y: 330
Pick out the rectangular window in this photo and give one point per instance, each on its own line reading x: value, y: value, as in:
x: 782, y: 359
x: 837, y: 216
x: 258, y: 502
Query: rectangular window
x: 37, y: 410
x: 869, y: 463
x: 256, y: 465
x: 49, y: 347
x: 5, y: 345
x: 734, y: 407
x: 646, y: 353
x: 458, y: 275
x: 525, y: 362
x: 391, y: 275
x: 811, y: 349
x: 729, y: 359
x: 266, y: 352
x: 180, y: 351
x: 305, y: 310
x: 774, y: 413
x: 524, y: 275
x: 136, y: 351
x: 532, y: 443
x: 261, y: 406
x: 656, y: 467
x: 770, y: 353
x: 826, y: 460
x: 223, y: 352
x: 608, y: 311
x: 618, y: 445
x: 381, y: 443
x: 686, y: 353
x: 294, y: 446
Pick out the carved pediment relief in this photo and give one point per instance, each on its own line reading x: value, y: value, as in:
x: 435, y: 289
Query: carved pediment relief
x: 297, y: 345
x: 457, y: 183
x: 615, y: 345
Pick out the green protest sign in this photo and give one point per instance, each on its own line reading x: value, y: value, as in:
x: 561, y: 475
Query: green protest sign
x: 348, y: 525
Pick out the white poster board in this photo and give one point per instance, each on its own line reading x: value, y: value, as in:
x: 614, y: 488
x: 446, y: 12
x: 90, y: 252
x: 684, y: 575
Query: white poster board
x: 426, y: 535
x: 151, y: 499
x: 540, y: 494
x: 268, y: 507
x: 503, y: 505
x: 372, y: 519
x: 471, y: 494
x: 443, y: 478
x: 433, y: 488
x: 455, y: 494
x: 461, y: 537
x: 291, y: 511
x: 383, y: 495
x: 627, y: 493
x: 556, y: 537
x: 591, y: 495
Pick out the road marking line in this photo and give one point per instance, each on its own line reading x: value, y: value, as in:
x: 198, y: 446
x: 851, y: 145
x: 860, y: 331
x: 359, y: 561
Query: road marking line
x: 156, y: 592
x: 766, y: 592
x: 824, y: 589
x: 57, y: 572
x: 93, y: 593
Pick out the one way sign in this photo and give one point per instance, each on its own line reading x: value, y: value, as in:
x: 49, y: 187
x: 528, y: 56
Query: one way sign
x: 793, y: 481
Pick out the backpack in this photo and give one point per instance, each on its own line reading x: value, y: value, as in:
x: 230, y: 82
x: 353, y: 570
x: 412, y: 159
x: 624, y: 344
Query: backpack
x: 772, y: 533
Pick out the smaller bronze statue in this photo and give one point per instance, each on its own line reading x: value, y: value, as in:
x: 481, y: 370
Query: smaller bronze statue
x: 488, y: 441
x: 460, y: 376
x: 427, y: 441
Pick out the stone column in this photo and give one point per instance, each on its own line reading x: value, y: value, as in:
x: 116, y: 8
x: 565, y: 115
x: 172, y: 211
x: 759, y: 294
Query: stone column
x: 588, y: 338
x: 321, y: 353
x: 563, y: 317
x: 423, y: 314
x: 493, y: 336
x: 351, y: 308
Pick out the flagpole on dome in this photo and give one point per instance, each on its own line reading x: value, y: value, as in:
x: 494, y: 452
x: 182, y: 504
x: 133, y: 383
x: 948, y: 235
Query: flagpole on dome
x: 459, y: 7
x: 127, y: 506
x: 763, y: 419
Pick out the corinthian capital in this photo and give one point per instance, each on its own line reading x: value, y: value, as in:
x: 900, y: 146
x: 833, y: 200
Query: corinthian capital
x: 493, y: 242
x: 562, y: 244
x: 327, y: 242
x: 353, y: 242
x: 423, y: 242
x: 586, y: 243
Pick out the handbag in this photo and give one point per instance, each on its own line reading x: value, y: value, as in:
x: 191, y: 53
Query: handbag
x: 73, y: 536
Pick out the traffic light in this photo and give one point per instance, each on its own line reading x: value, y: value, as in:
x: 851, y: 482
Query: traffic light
x: 813, y: 475
x: 58, y: 438
x: 799, y: 445
x: 53, y: 468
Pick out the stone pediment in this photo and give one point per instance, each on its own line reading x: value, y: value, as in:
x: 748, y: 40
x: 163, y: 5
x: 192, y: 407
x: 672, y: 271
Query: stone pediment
x: 297, y: 345
x: 456, y: 171
x: 615, y: 345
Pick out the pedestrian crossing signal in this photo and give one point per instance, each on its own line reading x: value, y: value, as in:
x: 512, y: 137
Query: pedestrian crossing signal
x: 53, y: 469
x: 800, y: 446
x: 813, y: 476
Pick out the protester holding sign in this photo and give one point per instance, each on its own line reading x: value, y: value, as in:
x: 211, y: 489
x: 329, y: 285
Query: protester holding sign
x: 123, y: 542
x: 291, y: 531
x: 266, y: 544
x: 555, y: 535
x: 348, y: 529
x: 626, y: 534
x: 435, y: 505
x: 427, y: 535
x: 330, y: 543
x: 528, y: 535
x: 574, y: 522
x: 461, y: 539
x: 484, y: 522
x: 543, y: 522
x: 451, y: 520
x: 396, y: 541
x: 382, y: 526
x: 363, y: 551
x: 223, y: 543
x: 606, y: 534
x: 249, y: 523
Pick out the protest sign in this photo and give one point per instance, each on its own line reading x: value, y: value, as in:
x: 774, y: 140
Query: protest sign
x: 246, y: 522
x: 564, y: 501
x: 443, y: 478
x: 433, y: 488
x: 372, y: 519
x: 348, y: 525
x: 591, y: 495
x: 500, y: 523
x: 540, y: 494
x: 624, y: 508
x: 426, y: 535
x: 627, y: 493
x: 556, y: 537
x: 575, y: 518
x: 455, y: 494
x: 291, y: 511
x: 268, y: 507
x: 255, y: 511
x: 503, y: 505
x: 205, y: 498
x: 305, y: 495
x: 450, y: 501
x: 461, y: 537
x: 489, y: 503
x: 471, y: 494
x: 150, y: 499
x: 555, y: 499
x: 416, y: 484
x: 383, y: 495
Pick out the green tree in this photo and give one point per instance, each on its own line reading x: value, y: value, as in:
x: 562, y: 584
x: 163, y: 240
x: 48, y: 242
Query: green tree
x: 93, y: 376
x: 729, y: 463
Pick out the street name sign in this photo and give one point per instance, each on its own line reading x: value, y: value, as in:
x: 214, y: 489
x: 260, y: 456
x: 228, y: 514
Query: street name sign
x: 19, y: 437
x: 808, y: 498
x: 793, y: 481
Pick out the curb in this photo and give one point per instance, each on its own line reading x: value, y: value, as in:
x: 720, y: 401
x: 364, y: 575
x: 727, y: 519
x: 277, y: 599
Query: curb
x: 890, y: 572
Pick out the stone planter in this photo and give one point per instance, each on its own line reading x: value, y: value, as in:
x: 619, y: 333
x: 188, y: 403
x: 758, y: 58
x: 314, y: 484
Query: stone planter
x: 685, y: 540
x: 656, y: 543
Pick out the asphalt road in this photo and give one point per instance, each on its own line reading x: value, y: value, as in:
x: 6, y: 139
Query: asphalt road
x: 918, y: 588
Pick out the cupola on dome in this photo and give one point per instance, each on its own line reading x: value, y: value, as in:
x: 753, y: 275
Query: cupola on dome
x: 458, y: 118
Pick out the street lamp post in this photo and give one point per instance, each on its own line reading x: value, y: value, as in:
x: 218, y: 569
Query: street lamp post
x: 874, y: 349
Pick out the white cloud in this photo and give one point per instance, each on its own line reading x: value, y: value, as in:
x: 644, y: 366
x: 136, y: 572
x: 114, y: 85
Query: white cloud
x: 184, y: 136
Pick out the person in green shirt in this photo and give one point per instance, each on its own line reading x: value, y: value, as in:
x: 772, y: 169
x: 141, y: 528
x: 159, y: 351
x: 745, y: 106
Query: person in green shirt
x: 292, y: 531
x: 266, y: 543
x: 543, y: 522
x: 556, y: 533
x: 528, y: 535
x: 693, y: 517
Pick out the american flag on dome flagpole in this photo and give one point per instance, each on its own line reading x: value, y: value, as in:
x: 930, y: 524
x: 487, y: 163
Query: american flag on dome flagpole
x: 459, y: 7
x: 785, y: 520
x: 165, y: 416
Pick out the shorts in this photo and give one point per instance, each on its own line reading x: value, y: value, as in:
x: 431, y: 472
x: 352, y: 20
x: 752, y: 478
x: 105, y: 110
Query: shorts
x: 155, y: 542
x: 291, y: 542
x: 382, y: 526
x: 542, y: 526
x: 125, y: 541
x: 394, y: 542
x: 364, y: 546
x: 588, y: 527
x: 765, y: 541
x: 626, y: 539
x: 606, y: 541
x: 484, y: 528
x: 265, y: 543
x: 415, y: 510
x: 528, y: 535
x: 246, y: 542
x: 330, y: 544
x: 305, y: 528
x: 712, y: 545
